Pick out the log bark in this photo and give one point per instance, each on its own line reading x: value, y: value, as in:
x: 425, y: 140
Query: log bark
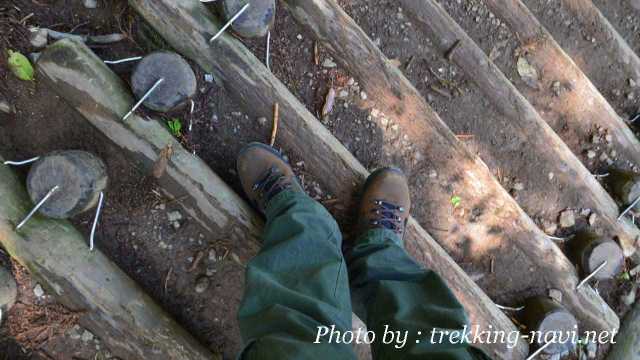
x: 627, y: 346
x: 109, y: 303
x: 188, y: 26
x: 583, y: 108
x: 97, y: 93
x: 522, y: 121
x: 502, y: 232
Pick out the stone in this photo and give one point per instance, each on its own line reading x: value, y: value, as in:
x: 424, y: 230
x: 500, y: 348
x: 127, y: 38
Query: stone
x: 556, y: 295
x: 630, y: 298
x: 8, y: 290
x: 591, y: 154
x: 5, y: 106
x: 518, y: 186
x: 179, y: 83
x: 38, y: 37
x: 38, y: 291
x: 592, y: 219
x: 567, y: 218
x: 262, y: 121
x: 363, y: 95
x: 79, y: 175
x: 86, y: 336
x: 202, y: 284
x: 255, y: 21
x: 549, y: 227
x: 328, y: 63
x: 174, y: 216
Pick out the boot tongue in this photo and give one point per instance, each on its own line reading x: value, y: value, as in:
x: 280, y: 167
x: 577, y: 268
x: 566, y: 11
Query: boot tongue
x: 271, y: 184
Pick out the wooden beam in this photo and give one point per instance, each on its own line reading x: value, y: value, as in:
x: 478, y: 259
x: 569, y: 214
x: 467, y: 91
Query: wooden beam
x: 100, y: 96
x: 627, y: 346
x: 188, y: 26
x: 501, y: 232
x: 573, y: 185
x: 580, y: 110
x: 108, y: 302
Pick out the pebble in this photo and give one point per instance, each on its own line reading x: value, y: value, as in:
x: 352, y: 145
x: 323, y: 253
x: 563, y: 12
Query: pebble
x: 550, y: 228
x: 328, y: 63
x: 592, y: 219
x: 567, y: 218
x: 591, y: 154
x: 343, y: 94
x: 202, y: 284
x: 86, y: 336
x: 518, y: 186
x: 299, y: 37
x: 556, y: 295
x: 551, y: 176
x: 208, y: 78
x: 5, y: 106
x: 363, y: 95
x: 38, y: 37
x: 8, y: 290
x: 213, y: 256
x: 632, y: 83
x: 262, y: 121
x: 90, y: 4
x: 38, y: 292
x: 174, y: 216
x: 630, y: 298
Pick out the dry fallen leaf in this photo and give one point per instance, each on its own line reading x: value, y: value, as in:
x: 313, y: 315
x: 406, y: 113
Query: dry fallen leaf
x: 163, y: 160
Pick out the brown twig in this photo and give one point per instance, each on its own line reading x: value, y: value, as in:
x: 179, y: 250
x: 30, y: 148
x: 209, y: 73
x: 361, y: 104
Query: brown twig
x: 166, y: 280
x: 276, y: 118
x: 199, y: 257
x: 449, y: 54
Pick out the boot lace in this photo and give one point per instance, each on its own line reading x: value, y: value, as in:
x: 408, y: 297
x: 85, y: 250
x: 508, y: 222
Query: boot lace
x: 271, y: 184
x: 386, y: 216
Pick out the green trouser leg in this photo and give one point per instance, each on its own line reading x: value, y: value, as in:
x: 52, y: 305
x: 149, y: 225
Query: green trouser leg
x: 401, y: 296
x: 297, y: 283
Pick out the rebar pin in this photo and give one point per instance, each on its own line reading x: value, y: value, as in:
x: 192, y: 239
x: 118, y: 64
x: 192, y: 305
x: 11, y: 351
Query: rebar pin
x: 509, y: 308
x: 146, y: 95
x: 24, y: 162
x: 267, y: 57
x: 539, y: 351
x: 634, y: 203
x: 95, y: 221
x: 193, y: 106
x: 234, y: 18
x: 38, y: 206
x: 591, y: 275
x: 135, y: 58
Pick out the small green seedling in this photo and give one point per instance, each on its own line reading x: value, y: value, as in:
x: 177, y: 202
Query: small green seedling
x: 175, y: 125
x: 20, y: 66
x: 456, y: 201
x: 625, y: 276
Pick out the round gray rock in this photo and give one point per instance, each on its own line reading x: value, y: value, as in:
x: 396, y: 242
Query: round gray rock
x: 8, y: 290
x: 255, y: 21
x: 178, y: 86
x: 81, y: 177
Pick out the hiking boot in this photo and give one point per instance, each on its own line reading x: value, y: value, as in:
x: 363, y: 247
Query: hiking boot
x: 385, y: 201
x: 264, y: 173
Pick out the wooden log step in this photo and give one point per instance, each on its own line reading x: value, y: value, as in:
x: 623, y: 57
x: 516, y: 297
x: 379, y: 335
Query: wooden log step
x: 594, y: 44
x: 99, y: 96
x: 188, y: 26
x: 573, y: 186
x: 107, y: 301
x: 489, y: 222
x: 563, y: 95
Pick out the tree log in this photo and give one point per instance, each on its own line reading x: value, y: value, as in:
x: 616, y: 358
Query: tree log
x: 627, y: 346
x: 188, y: 26
x: 109, y: 303
x: 502, y: 232
x: 88, y: 85
x: 583, y: 108
x: 573, y: 185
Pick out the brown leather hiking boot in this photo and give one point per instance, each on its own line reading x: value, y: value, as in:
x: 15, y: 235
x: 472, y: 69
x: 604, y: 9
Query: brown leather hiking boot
x: 264, y: 173
x: 385, y: 201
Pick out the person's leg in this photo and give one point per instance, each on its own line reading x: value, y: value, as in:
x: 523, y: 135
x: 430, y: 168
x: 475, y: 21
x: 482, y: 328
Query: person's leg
x: 298, y: 282
x: 400, y: 295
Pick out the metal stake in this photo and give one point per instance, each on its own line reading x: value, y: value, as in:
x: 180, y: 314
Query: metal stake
x: 268, y: 50
x: 135, y: 58
x: 144, y: 97
x: 634, y: 203
x: 38, y: 206
x: 24, y: 162
x: 234, y: 18
x: 539, y: 351
x: 95, y: 221
x: 591, y: 275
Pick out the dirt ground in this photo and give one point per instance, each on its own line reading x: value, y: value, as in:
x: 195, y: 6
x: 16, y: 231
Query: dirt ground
x: 170, y: 258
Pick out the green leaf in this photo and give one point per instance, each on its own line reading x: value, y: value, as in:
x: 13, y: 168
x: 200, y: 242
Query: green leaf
x: 456, y: 201
x: 625, y: 276
x: 20, y: 66
x: 175, y: 125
